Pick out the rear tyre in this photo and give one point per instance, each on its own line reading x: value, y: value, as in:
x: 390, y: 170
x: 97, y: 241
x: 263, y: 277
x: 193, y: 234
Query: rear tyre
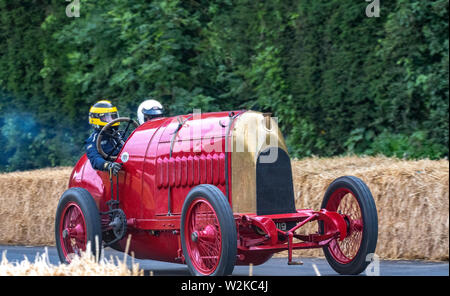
x: 351, y: 197
x: 77, y: 223
x: 208, y: 232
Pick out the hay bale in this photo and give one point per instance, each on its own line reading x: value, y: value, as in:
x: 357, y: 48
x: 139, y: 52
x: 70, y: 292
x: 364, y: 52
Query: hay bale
x: 412, y: 199
x: 28, y: 203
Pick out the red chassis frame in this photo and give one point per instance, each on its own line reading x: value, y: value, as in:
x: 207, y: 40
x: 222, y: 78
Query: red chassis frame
x: 275, y: 240
x: 267, y: 239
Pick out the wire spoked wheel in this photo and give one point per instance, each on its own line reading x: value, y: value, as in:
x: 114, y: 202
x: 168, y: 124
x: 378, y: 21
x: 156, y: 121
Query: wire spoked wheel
x: 208, y: 232
x: 77, y: 223
x: 344, y: 202
x: 204, y: 238
x: 350, y: 197
x: 72, y: 231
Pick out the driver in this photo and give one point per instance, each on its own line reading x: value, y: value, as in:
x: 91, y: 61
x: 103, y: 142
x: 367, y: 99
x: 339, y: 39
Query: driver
x: 148, y: 110
x: 100, y: 114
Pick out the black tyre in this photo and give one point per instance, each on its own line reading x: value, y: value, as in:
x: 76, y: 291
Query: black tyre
x: 350, y: 196
x: 208, y: 232
x: 77, y: 223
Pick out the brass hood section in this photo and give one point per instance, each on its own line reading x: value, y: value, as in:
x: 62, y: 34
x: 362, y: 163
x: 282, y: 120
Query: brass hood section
x: 251, y: 133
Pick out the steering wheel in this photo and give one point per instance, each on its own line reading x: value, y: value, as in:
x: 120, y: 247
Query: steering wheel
x: 117, y: 134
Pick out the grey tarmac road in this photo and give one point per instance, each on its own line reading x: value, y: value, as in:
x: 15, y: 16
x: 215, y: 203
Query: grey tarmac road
x: 274, y: 267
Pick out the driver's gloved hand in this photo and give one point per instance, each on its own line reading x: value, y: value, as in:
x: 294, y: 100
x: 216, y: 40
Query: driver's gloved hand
x: 114, y: 167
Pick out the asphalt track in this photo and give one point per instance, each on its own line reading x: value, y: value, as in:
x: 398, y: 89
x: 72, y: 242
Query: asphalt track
x: 274, y: 267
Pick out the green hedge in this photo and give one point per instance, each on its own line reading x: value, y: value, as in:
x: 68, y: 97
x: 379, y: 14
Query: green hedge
x: 338, y: 81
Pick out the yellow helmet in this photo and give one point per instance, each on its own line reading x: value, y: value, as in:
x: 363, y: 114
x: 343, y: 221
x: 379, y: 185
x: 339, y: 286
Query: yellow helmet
x: 101, y: 113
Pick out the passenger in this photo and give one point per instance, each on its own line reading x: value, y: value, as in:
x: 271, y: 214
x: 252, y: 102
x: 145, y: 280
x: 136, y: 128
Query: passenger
x: 148, y: 110
x: 100, y: 114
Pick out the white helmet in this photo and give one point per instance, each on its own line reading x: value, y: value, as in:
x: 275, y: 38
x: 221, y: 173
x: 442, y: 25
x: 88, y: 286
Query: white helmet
x: 149, y: 109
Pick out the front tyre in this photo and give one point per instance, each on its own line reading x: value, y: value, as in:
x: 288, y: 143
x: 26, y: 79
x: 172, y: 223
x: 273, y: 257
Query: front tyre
x: 208, y: 232
x: 350, y: 196
x: 77, y: 223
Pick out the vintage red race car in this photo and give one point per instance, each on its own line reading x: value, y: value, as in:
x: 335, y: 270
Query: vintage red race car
x: 212, y: 191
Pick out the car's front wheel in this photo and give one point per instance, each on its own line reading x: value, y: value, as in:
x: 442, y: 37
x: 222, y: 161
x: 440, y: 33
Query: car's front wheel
x: 350, y: 196
x: 208, y: 232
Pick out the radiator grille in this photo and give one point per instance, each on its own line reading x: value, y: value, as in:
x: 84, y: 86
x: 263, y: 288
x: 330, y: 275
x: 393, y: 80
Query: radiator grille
x: 274, y: 188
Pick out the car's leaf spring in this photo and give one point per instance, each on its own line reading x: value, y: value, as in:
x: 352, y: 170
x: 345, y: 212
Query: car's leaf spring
x: 117, y: 216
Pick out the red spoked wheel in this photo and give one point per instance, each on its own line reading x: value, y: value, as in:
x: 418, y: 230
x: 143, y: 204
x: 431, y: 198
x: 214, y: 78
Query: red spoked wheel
x: 77, y: 223
x: 72, y: 231
x: 208, y: 232
x: 344, y: 202
x: 350, y: 197
x: 204, y: 237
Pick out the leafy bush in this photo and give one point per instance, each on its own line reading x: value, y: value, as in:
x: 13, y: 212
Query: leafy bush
x: 338, y: 81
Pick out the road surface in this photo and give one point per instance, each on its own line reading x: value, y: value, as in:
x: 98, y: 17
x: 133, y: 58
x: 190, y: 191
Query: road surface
x: 274, y: 267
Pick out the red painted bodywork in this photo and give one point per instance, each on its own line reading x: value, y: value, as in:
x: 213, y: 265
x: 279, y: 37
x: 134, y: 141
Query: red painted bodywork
x: 198, y: 157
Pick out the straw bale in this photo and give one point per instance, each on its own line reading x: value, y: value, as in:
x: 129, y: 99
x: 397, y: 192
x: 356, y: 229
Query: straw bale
x: 412, y: 199
x: 28, y: 203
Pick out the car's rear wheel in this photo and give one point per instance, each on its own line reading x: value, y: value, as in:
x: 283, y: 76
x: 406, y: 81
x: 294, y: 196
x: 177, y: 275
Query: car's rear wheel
x: 208, y: 232
x: 77, y: 223
x: 351, y: 197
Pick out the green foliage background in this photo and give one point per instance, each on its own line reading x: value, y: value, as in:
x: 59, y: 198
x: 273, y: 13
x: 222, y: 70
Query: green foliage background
x: 338, y: 81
